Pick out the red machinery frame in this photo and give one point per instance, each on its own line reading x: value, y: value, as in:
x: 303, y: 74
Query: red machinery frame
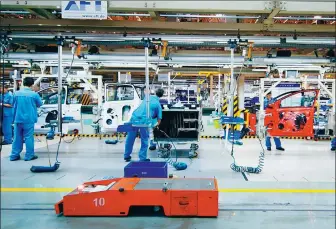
x: 115, y: 197
x: 291, y: 121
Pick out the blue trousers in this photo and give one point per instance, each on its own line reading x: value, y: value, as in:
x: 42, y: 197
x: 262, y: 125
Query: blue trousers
x: 7, y: 129
x: 333, y: 143
x: 23, y: 131
x: 131, y: 136
x: 276, y: 141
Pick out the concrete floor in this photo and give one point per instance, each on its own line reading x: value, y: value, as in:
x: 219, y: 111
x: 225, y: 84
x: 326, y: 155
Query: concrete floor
x: 306, y: 167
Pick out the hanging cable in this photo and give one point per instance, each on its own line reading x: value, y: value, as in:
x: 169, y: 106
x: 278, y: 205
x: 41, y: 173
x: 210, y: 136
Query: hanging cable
x: 249, y: 169
x: 177, y: 165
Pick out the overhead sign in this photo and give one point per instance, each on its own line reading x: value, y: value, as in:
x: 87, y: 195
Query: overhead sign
x: 84, y: 9
x: 163, y: 77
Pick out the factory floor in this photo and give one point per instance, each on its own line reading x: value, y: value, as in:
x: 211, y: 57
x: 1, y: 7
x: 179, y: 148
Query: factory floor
x: 294, y: 190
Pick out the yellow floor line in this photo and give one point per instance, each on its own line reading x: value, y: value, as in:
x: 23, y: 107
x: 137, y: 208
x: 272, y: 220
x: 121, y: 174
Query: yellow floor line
x: 277, y: 190
x: 224, y: 190
x: 36, y: 189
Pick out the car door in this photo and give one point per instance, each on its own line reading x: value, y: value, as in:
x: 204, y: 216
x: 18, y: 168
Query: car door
x: 120, y: 102
x: 72, y: 108
x: 292, y: 115
x: 49, y: 98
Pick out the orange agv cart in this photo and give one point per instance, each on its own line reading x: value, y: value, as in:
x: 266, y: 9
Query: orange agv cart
x: 115, y: 197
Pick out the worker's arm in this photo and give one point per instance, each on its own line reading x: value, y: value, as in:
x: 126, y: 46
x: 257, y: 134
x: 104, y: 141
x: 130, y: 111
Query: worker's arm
x: 38, y: 100
x: 8, y: 101
x: 159, y: 115
x: 7, y: 105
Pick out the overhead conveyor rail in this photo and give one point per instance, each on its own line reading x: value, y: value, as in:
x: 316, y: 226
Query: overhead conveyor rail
x: 175, y: 40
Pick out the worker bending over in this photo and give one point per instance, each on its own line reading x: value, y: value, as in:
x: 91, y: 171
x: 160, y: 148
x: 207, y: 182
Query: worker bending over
x: 268, y: 100
x: 138, y: 114
x: 26, y: 102
x: 6, y: 100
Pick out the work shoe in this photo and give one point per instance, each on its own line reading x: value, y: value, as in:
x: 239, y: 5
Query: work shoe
x: 128, y: 159
x: 15, y: 159
x: 280, y: 148
x: 5, y: 143
x: 153, y: 147
x: 33, y: 158
x: 269, y: 149
x: 145, y: 160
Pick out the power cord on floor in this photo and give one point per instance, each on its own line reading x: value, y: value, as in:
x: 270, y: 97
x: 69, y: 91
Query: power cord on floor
x: 177, y: 165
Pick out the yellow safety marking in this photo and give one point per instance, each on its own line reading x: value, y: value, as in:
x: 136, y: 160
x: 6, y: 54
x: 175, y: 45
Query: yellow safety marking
x: 224, y: 190
x: 36, y: 189
x: 278, y: 190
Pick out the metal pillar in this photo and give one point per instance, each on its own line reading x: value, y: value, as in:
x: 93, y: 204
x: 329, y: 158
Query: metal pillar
x: 232, y: 85
x: 147, y: 80
x: 241, y: 96
x: 188, y: 93
x: 231, y: 94
x: 119, y: 80
x: 219, y: 92
x: 60, y: 70
x: 211, y: 91
x: 168, y: 87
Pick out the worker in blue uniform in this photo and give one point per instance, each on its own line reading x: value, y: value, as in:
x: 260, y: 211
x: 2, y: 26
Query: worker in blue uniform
x: 139, y: 114
x: 26, y: 102
x: 152, y: 144
x: 333, y: 144
x: 6, y: 98
x: 268, y: 100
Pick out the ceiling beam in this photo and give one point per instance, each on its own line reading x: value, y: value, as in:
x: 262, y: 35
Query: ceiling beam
x: 42, y: 13
x: 289, y: 7
x: 154, y: 15
x: 160, y: 26
x: 269, y: 20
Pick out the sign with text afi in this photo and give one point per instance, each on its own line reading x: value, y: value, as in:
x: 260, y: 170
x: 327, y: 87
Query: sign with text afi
x: 84, y: 9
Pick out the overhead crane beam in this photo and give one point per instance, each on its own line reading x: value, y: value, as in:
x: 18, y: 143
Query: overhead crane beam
x: 154, y: 15
x: 269, y: 20
x: 160, y: 26
x: 42, y: 13
x: 289, y: 7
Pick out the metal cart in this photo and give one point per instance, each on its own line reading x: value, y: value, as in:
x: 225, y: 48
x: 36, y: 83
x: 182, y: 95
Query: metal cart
x: 178, y: 125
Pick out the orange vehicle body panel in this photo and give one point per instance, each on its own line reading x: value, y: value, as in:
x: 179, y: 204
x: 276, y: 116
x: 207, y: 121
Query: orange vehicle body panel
x: 290, y: 121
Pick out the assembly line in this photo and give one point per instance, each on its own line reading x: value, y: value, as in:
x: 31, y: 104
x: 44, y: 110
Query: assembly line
x: 112, y: 109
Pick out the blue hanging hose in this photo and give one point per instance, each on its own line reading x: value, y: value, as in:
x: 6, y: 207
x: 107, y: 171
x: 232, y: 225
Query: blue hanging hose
x: 177, y: 165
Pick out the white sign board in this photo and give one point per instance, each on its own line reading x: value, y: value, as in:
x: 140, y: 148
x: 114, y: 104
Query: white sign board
x: 84, y: 9
x: 125, y: 78
x: 163, y: 77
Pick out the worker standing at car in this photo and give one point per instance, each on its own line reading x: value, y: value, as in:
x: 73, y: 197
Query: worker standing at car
x: 26, y: 102
x: 332, y: 124
x: 6, y: 100
x: 268, y: 100
x: 138, y: 115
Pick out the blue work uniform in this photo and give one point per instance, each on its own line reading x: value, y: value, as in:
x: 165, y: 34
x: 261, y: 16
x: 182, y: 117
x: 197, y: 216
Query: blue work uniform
x: 7, y: 120
x: 268, y: 138
x: 138, y: 114
x: 151, y: 142
x: 333, y: 144
x: 25, y: 107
